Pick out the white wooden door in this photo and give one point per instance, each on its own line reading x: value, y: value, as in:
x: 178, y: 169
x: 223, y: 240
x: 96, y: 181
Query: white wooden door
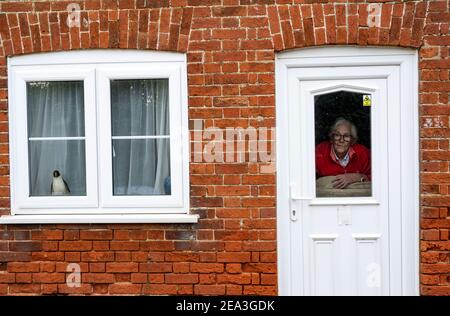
x: 365, y: 245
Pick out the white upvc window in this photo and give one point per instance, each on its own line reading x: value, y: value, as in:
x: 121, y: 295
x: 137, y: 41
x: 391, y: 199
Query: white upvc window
x: 98, y: 136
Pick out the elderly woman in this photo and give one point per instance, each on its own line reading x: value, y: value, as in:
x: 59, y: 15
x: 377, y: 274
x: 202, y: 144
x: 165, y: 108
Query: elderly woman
x: 342, y: 157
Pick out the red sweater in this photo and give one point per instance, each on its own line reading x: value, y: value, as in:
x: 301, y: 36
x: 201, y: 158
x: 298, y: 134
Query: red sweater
x: 327, y: 165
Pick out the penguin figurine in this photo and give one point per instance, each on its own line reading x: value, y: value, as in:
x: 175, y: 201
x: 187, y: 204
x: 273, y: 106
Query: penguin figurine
x: 59, y: 185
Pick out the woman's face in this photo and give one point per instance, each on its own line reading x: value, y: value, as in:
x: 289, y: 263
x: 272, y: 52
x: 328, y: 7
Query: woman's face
x: 341, y: 140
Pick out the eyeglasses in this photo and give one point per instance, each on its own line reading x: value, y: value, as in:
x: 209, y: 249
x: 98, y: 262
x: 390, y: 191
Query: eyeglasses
x: 346, y: 137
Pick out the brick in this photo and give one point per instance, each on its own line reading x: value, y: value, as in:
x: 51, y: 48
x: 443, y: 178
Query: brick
x: 97, y: 256
x: 100, y: 245
x: 25, y: 246
x: 83, y: 289
x: 49, y: 278
x: 6, y: 277
x: 47, y: 235
x: 152, y: 4
x: 228, y: 34
x: 181, y: 257
x: 116, y: 267
x: 123, y: 277
x: 126, y: 4
x: 24, y: 25
x: 259, y: 267
x: 155, y: 278
x: 155, y: 267
x: 207, y: 202
x: 268, y: 279
x: 309, y: 32
x: 180, y: 235
x: 160, y: 289
x: 273, y: 19
x: 157, y: 245
x: 16, y: 7
x: 181, y: 267
x: 430, y: 234
x: 24, y: 288
x: 259, y: 290
x: 48, y: 256
x: 75, y: 245
x: 209, y: 289
x: 253, y: 22
x: 288, y: 35
x: 233, y: 290
x: 435, y: 290
x: 435, y: 268
x: 229, y: 11
x: 24, y: 278
x: 331, y: 29
x: 256, y: 67
x: 243, y: 278
x: 97, y: 267
x: 124, y: 245
x: 47, y: 267
x: 181, y: 278
x: 233, y: 268
x: 204, y: 91
x: 233, y: 257
x: 230, y: 101
x: 23, y: 267
x: 97, y: 278
x: 207, y: 267
x: 186, y: 21
x: 139, y: 278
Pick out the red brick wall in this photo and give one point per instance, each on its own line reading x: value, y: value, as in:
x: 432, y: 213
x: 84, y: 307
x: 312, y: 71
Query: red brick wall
x: 231, y: 46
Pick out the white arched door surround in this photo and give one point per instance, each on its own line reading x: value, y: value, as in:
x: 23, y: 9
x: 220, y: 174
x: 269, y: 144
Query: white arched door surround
x: 348, y: 245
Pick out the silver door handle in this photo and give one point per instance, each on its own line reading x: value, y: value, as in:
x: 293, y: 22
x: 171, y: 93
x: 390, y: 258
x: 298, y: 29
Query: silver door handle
x: 294, y: 211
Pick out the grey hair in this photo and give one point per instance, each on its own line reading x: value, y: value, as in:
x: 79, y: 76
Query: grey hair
x: 342, y: 121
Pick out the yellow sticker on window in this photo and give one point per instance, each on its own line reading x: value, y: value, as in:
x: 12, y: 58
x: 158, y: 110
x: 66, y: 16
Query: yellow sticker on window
x: 367, y: 100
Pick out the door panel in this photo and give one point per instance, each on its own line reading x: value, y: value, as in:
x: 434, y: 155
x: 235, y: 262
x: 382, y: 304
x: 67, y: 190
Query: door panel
x: 323, y: 254
x: 340, y: 255
x: 367, y: 264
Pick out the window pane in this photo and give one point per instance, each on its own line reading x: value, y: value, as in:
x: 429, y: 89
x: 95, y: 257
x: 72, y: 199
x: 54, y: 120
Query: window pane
x: 141, y: 167
x: 140, y: 107
x: 342, y: 132
x: 65, y: 156
x: 55, y: 115
x: 55, y: 108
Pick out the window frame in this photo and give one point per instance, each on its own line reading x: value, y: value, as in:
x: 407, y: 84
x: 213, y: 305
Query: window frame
x: 169, y: 203
x: 95, y: 68
x: 20, y: 171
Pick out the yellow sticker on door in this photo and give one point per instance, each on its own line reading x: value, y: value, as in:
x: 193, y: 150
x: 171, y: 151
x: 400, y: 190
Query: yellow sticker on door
x: 367, y: 100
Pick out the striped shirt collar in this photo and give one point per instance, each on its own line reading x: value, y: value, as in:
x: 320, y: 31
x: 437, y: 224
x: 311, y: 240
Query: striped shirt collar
x: 344, y: 161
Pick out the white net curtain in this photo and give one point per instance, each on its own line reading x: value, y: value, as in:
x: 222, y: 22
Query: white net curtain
x: 140, y: 130
x: 140, y: 136
x: 56, y: 135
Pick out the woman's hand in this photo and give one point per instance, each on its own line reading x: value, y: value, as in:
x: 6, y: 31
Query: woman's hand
x: 341, y: 181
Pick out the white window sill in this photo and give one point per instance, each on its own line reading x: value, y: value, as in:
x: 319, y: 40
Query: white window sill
x: 100, y: 219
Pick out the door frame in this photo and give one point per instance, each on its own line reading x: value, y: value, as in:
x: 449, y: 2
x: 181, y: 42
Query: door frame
x: 342, y: 56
